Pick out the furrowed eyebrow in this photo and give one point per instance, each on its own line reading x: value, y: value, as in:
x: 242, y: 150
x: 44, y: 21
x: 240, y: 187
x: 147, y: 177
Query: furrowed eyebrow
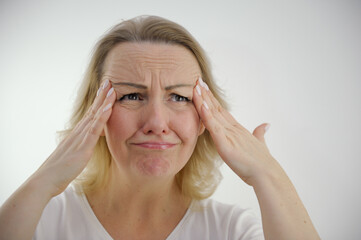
x: 145, y: 87
x: 130, y: 84
x: 177, y: 86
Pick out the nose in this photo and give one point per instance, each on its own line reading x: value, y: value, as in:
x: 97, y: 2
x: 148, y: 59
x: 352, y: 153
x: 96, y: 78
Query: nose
x: 155, y: 118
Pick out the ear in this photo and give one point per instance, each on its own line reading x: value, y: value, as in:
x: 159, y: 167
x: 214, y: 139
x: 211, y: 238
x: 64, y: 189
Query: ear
x: 201, y: 128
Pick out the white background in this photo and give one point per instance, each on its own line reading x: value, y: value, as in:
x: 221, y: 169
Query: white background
x: 294, y: 64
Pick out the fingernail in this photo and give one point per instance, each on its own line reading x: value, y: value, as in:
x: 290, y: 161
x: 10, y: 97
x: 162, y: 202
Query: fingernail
x: 267, y: 127
x: 206, y: 86
x: 200, y: 81
x: 106, y: 83
x: 203, y: 84
x: 205, y: 105
x: 107, y: 107
x: 198, y: 90
x: 110, y: 92
x: 99, y: 91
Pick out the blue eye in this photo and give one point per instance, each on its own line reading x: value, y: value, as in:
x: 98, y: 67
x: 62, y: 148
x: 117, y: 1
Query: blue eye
x: 179, y: 98
x: 131, y: 97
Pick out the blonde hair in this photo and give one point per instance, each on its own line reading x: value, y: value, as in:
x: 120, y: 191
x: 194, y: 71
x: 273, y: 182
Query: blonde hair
x: 201, y: 175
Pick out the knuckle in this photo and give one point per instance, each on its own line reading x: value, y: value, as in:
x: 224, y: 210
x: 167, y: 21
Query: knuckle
x: 96, y: 122
x: 92, y: 116
x: 88, y: 115
x: 93, y: 129
x: 216, y: 128
x: 92, y: 126
x: 213, y: 110
x: 93, y: 111
x: 102, y: 118
x: 219, y: 109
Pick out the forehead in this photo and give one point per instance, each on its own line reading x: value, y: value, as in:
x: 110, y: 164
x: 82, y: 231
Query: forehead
x: 143, y: 61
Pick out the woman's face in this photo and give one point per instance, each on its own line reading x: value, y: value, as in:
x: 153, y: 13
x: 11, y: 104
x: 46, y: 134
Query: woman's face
x: 154, y: 125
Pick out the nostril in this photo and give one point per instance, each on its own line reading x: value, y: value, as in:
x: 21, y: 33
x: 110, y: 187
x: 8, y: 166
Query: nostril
x: 155, y: 119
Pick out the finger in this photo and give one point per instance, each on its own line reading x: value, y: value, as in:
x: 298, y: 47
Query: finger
x: 212, y: 124
x: 89, y: 115
x: 101, y: 94
x: 100, y: 101
x: 95, y: 127
x: 202, y: 90
x: 226, y: 114
x: 224, y: 117
x: 260, y: 131
x: 214, y: 106
x: 209, y: 96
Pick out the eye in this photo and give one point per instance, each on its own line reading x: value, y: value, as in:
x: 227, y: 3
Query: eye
x: 131, y: 97
x: 179, y: 98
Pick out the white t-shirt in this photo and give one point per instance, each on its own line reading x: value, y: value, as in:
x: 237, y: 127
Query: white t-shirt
x: 69, y: 216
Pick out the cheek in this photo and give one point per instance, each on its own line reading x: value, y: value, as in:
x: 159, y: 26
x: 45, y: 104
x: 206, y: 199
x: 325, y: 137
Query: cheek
x: 186, y: 124
x: 124, y: 122
x: 120, y: 123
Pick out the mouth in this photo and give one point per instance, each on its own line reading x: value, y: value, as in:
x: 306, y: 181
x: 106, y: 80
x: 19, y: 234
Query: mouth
x: 155, y: 145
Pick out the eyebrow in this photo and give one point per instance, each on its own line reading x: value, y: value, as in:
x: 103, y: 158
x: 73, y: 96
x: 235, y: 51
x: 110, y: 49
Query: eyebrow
x: 145, y: 87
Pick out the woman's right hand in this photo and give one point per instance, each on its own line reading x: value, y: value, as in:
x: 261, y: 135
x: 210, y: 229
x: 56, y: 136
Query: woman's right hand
x: 73, y: 153
x: 24, y: 207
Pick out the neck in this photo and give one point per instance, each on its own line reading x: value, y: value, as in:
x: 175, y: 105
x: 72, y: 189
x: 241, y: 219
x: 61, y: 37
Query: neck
x: 136, y: 198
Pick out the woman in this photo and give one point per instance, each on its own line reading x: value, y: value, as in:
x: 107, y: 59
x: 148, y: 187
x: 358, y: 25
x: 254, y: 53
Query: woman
x: 146, y: 128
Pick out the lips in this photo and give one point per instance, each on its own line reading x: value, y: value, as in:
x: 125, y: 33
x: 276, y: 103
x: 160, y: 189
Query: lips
x: 155, y: 145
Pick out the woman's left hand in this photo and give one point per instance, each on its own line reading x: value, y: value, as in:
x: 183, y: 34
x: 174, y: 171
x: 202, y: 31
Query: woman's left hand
x: 245, y: 153
x: 249, y: 157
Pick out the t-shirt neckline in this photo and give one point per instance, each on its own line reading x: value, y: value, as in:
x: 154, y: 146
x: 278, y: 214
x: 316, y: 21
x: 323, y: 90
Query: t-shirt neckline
x: 96, y: 223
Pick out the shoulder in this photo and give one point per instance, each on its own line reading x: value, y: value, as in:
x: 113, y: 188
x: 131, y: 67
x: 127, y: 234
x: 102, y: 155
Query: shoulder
x: 56, y: 214
x: 210, y: 219
x: 213, y: 208
x: 229, y: 216
x: 68, y: 202
x: 57, y: 205
x: 67, y: 216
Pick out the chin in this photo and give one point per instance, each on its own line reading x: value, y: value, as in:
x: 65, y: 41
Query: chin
x: 155, y: 166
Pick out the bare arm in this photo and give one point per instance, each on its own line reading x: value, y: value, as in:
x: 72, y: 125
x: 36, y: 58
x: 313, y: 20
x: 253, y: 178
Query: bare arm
x: 283, y: 214
x: 20, y: 214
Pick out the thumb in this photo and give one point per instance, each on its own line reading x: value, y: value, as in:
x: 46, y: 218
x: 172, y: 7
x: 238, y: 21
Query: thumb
x: 260, y: 131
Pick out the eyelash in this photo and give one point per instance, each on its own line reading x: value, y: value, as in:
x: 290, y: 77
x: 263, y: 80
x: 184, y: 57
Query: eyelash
x: 185, y: 99
x: 131, y: 96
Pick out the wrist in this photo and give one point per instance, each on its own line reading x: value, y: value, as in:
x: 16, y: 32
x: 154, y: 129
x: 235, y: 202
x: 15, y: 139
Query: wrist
x: 40, y: 186
x: 268, y: 174
x: 283, y: 213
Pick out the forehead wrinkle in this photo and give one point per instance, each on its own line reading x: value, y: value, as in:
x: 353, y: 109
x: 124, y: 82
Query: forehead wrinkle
x: 155, y: 57
x: 136, y: 63
x: 153, y: 62
x: 184, y: 75
x: 123, y: 69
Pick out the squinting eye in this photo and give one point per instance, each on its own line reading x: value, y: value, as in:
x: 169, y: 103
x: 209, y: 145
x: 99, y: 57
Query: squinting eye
x: 179, y: 98
x: 131, y: 97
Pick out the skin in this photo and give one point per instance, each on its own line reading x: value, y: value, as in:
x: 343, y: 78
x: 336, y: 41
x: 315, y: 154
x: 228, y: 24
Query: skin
x: 141, y: 184
x: 152, y: 83
x: 157, y: 114
x: 283, y: 213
